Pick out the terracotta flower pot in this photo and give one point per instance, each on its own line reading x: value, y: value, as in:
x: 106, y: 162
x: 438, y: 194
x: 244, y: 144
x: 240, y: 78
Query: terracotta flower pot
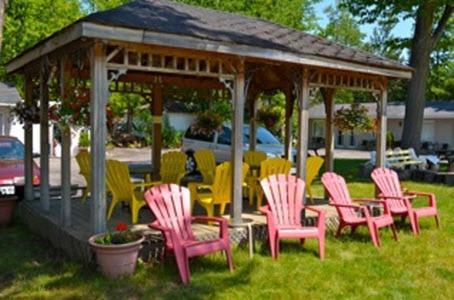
x: 7, y: 210
x: 116, y: 260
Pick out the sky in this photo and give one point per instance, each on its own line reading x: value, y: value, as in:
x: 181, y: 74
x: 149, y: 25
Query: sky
x: 402, y: 29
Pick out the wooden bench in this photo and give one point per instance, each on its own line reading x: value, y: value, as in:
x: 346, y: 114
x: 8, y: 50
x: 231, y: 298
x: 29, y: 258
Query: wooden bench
x: 403, y: 159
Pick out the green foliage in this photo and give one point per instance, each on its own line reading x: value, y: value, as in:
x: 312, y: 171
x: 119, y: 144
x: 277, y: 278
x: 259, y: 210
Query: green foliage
x: 84, y: 139
x: 388, y: 13
x: 342, y: 27
x: 118, y: 238
x: 353, y: 118
x: 269, y: 116
x: 441, y: 77
x: 207, y: 122
x: 29, y: 21
x: 272, y: 112
x: 171, y: 138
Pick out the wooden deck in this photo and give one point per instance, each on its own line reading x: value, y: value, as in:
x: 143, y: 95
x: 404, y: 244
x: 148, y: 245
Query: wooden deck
x: 73, y: 239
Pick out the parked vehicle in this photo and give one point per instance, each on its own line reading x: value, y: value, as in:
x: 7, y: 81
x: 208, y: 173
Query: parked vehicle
x: 12, y: 176
x: 220, y: 142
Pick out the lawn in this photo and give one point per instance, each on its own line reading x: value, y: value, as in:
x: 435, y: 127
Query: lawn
x: 414, y: 268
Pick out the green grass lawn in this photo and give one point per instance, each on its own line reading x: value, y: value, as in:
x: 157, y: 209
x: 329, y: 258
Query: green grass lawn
x: 414, y: 268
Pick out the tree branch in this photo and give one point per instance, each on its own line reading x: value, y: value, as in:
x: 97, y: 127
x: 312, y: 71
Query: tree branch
x: 449, y: 9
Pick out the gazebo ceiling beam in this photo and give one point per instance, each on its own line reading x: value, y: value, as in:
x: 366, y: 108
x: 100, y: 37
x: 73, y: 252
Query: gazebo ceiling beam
x: 158, y: 62
x: 325, y: 78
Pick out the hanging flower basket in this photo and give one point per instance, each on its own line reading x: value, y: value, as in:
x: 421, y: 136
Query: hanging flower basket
x: 75, y: 111
x: 354, y: 118
x: 26, y: 112
x: 117, y: 252
x: 207, y: 123
x: 269, y: 117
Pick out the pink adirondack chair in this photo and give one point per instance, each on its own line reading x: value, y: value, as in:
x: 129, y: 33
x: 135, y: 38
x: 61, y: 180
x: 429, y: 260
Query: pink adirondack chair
x: 170, y: 204
x: 283, y: 213
x: 399, y: 202
x: 349, y: 214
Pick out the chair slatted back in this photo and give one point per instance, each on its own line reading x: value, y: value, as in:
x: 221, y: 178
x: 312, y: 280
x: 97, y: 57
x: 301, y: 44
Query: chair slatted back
x: 254, y: 158
x: 313, y: 166
x: 206, y: 164
x: 84, y: 161
x: 222, y: 185
x: 171, y: 204
x: 285, y: 198
x: 273, y: 166
x: 388, y: 183
x: 118, y: 179
x: 173, y: 166
x: 338, y: 193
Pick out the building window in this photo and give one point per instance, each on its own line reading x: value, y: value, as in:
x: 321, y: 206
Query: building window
x: 340, y: 138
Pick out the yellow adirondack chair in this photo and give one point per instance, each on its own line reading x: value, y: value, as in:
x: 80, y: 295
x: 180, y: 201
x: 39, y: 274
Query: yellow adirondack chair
x: 123, y: 190
x: 271, y: 166
x: 206, y: 164
x: 218, y: 193
x: 313, y: 166
x: 83, y: 160
x: 253, y: 159
x: 173, y: 168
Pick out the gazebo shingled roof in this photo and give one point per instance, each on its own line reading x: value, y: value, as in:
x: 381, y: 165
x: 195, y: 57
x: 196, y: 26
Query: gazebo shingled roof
x: 225, y: 30
x: 182, y: 19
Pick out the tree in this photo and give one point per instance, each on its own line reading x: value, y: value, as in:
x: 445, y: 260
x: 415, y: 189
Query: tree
x: 441, y: 77
x: 344, y: 29
x: 28, y: 22
x: 3, y: 6
x: 431, y: 18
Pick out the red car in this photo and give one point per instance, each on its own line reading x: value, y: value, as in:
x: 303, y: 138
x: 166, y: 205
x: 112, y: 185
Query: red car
x: 12, y: 176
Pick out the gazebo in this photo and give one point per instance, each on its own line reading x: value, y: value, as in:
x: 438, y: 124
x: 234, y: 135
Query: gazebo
x: 147, y: 46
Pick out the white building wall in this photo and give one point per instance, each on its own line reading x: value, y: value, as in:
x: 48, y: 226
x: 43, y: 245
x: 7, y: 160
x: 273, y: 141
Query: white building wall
x: 444, y: 132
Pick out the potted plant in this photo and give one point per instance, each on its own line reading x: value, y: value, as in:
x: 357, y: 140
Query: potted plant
x: 26, y: 112
x: 84, y: 141
x: 7, y: 205
x: 207, y: 122
x: 353, y: 119
x: 117, y: 252
x: 269, y: 116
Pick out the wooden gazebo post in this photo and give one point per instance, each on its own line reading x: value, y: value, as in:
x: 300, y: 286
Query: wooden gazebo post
x: 156, y: 110
x: 381, y: 128
x: 328, y: 97
x: 98, y: 102
x: 237, y: 144
x: 289, y: 105
x: 28, y: 139
x: 65, y: 73
x: 44, y: 132
x: 302, y: 85
x: 253, y: 101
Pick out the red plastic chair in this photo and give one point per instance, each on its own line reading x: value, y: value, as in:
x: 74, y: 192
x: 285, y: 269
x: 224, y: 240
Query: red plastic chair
x: 399, y: 202
x: 170, y: 204
x: 350, y: 214
x: 283, y: 213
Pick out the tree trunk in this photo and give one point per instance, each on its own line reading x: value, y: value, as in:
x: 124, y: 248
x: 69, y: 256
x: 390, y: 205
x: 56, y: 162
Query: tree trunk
x: 420, y: 61
x: 3, y: 5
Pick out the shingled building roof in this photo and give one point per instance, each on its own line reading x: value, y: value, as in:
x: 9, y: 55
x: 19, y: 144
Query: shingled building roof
x: 175, y: 18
